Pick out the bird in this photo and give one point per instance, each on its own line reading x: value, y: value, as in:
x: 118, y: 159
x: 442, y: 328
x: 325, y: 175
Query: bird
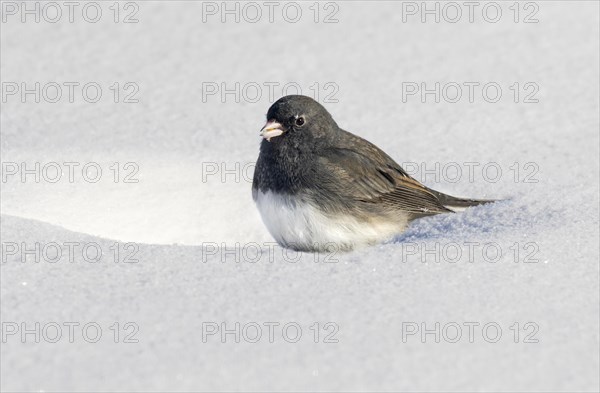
x: 318, y: 187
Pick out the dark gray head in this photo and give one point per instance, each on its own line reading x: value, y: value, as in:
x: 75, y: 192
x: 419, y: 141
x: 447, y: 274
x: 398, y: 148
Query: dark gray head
x: 297, y: 128
x: 297, y: 118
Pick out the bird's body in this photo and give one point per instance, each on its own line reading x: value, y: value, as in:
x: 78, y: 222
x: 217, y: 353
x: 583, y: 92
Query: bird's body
x: 298, y: 223
x: 318, y: 186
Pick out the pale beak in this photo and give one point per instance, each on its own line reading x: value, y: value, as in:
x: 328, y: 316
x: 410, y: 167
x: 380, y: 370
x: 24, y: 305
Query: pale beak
x: 271, y: 130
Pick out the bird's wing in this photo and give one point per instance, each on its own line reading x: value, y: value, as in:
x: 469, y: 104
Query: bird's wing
x: 374, y: 177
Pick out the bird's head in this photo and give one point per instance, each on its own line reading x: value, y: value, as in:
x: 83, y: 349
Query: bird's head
x: 297, y: 116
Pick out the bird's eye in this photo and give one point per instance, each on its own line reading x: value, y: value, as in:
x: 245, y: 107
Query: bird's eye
x: 300, y: 121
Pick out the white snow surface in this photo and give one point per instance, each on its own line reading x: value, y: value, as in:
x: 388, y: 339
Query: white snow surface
x: 175, y: 215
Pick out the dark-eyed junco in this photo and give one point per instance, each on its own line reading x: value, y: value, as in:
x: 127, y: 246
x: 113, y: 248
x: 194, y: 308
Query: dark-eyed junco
x: 316, y: 185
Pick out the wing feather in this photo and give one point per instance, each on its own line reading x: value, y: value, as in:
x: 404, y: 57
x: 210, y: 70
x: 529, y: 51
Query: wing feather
x: 376, y: 178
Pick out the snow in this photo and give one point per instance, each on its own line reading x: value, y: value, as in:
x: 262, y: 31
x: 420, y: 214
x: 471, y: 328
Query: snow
x: 196, y: 234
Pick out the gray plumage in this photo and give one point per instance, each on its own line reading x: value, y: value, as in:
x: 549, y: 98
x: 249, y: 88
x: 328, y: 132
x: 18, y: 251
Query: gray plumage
x: 315, y: 162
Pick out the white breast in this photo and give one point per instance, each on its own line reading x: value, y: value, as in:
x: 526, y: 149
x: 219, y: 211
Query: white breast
x: 299, y: 225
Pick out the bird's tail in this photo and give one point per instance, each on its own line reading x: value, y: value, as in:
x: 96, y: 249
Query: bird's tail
x: 459, y: 204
